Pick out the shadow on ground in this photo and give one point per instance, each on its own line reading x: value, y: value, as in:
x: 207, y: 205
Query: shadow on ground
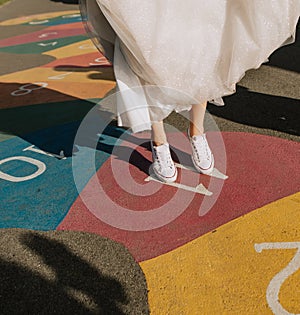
x: 67, y: 1
x: 260, y: 111
x: 287, y: 57
x: 68, y: 273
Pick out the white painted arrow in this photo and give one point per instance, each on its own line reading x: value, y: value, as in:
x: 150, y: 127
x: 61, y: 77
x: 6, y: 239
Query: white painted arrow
x: 199, y: 189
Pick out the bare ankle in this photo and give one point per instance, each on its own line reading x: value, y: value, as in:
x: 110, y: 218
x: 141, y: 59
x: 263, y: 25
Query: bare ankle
x: 158, y: 143
x: 195, y: 131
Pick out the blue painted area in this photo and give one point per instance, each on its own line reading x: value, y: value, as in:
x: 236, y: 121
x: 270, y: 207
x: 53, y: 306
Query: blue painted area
x: 42, y: 202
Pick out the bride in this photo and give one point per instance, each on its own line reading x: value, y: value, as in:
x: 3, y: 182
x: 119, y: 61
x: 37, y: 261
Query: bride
x: 178, y: 55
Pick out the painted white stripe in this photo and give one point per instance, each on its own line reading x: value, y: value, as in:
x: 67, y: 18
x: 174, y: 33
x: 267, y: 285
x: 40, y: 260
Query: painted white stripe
x: 31, y: 148
x: 199, y: 189
x: 215, y: 173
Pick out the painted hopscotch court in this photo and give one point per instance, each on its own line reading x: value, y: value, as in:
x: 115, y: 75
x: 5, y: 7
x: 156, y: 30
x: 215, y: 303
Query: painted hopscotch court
x: 228, y: 243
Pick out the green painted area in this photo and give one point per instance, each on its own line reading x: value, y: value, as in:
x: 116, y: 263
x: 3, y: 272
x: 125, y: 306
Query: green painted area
x: 22, y: 120
x: 4, y: 136
x: 43, y: 46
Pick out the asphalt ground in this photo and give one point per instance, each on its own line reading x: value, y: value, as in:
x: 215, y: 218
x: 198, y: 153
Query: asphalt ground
x: 77, y: 264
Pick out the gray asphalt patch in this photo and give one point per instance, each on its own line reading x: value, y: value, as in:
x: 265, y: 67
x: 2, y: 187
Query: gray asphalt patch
x: 62, y: 272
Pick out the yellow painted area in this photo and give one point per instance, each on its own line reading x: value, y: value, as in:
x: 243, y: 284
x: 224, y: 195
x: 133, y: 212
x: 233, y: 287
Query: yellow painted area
x: 81, y: 83
x: 80, y: 48
x: 51, y: 75
x: 87, y: 90
x: 222, y: 273
x: 37, y: 17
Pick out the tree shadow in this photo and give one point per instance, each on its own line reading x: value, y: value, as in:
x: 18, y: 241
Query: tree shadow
x: 67, y: 1
x: 287, y: 57
x: 74, y: 287
x: 261, y: 111
x: 52, y: 127
x: 104, y: 72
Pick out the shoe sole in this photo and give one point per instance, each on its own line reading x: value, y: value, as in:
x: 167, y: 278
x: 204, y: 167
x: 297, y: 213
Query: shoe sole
x: 165, y: 179
x: 207, y: 171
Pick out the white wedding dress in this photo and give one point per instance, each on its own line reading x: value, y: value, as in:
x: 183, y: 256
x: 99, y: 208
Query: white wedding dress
x: 192, y: 51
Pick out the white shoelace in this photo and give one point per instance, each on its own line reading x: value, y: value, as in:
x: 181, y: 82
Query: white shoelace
x: 163, y: 157
x: 201, y: 147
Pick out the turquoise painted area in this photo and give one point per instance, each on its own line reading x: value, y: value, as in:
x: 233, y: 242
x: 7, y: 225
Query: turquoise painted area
x: 65, y: 19
x: 41, y: 203
x: 43, y: 46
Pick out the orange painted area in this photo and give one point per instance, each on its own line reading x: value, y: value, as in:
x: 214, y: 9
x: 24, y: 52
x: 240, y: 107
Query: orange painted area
x: 64, y: 26
x: 90, y: 60
x: 83, y: 90
x: 36, y: 17
x: 50, y: 75
x: 223, y: 273
x: 29, y: 96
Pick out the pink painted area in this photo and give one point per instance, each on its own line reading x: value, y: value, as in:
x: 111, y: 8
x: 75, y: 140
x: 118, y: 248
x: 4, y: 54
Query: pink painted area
x: 68, y: 26
x: 95, y: 59
x: 261, y: 169
x: 44, y: 35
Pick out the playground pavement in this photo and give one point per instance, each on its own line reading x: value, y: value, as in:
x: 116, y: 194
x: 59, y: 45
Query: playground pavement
x: 86, y: 230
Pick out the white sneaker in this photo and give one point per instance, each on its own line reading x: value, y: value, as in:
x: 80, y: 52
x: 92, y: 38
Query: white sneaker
x: 202, y: 156
x: 163, y: 165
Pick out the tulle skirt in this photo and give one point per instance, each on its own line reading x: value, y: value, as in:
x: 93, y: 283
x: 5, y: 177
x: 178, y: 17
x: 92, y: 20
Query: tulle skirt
x: 176, y: 53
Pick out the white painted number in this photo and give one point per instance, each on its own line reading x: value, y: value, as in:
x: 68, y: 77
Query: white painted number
x: 48, y: 44
x: 60, y: 76
x: 41, y: 167
x: 25, y: 89
x: 71, y: 16
x: 99, y: 61
x: 38, y: 22
x: 47, y: 34
x: 276, y: 283
x: 87, y: 46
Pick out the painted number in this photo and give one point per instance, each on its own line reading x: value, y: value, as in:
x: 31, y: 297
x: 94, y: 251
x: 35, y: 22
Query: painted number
x: 70, y: 16
x: 60, y: 76
x: 276, y: 283
x: 25, y: 89
x: 48, y: 44
x: 87, y: 46
x: 99, y: 61
x: 41, y: 167
x: 38, y: 22
x: 45, y: 35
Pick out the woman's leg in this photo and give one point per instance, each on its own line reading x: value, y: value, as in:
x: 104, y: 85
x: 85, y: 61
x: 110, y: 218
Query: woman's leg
x: 202, y: 156
x: 158, y: 133
x: 197, y: 114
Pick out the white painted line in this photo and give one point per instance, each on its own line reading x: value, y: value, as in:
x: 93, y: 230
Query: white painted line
x: 60, y: 156
x: 199, y: 189
x: 215, y: 173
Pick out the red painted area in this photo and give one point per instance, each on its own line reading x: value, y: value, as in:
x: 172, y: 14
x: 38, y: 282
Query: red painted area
x: 87, y: 60
x: 46, y: 34
x: 39, y: 96
x: 56, y: 91
x: 257, y: 177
